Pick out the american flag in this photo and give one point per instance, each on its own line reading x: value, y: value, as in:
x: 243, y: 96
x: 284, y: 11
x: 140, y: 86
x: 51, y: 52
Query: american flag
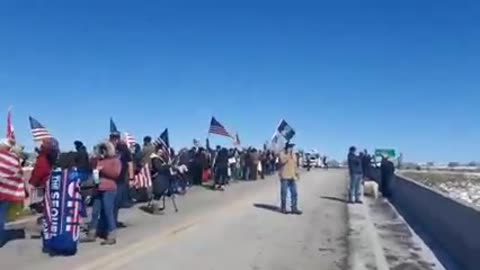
x: 143, y: 179
x: 12, y: 186
x: 39, y: 132
x: 130, y: 140
x: 10, y: 130
x: 218, y: 129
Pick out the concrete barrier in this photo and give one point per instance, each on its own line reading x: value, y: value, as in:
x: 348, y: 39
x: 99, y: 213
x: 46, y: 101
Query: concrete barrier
x: 453, y: 227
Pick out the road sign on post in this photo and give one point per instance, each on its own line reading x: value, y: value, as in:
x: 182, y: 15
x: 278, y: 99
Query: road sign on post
x: 390, y: 153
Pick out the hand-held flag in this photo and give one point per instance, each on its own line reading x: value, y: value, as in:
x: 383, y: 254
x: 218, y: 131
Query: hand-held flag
x: 130, y: 140
x: 12, y: 187
x: 164, y: 142
x: 10, y: 129
x: 218, y: 129
x: 113, y: 127
x: 39, y: 132
x: 286, y: 130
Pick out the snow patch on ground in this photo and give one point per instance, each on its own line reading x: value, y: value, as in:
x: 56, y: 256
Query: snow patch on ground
x: 461, y: 186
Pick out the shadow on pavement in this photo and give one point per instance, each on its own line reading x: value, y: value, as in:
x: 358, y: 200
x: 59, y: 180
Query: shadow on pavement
x: 149, y: 210
x: 269, y: 207
x: 13, y: 234
x: 334, y: 199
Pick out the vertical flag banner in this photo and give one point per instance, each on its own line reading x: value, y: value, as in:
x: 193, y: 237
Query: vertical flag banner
x: 10, y: 129
x: 237, y: 141
x: 207, y: 144
x: 62, y: 219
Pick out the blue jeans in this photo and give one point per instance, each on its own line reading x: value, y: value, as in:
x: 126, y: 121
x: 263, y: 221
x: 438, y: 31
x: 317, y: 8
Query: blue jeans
x: 3, y: 216
x: 288, y: 184
x: 103, y: 207
x: 354, y: 190
x: 121, y: 198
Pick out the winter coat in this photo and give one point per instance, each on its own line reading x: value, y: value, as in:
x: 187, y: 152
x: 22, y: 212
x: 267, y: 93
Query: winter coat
x: 110, y: 168
x: 354, y: 164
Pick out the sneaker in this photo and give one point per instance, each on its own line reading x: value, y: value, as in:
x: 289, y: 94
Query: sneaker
x: 297, y: 212
x: 90, y: 238
x: 156, y: 211
x: 283, y: 210
x: 110, y: 241
x: 358, y: 202
x: 121, y: 225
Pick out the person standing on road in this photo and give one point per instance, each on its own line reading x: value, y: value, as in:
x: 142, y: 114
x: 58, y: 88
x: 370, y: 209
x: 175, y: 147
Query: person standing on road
x: 126, y: 176
x: 103, y: 218
x: 387, y: 170
x: 288, y: 177
x: 356, y: 176
x: 366, y: 164
x: 220, y: 169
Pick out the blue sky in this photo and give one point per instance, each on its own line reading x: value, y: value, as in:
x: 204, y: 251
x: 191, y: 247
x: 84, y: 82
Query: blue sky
x: 366, y: 73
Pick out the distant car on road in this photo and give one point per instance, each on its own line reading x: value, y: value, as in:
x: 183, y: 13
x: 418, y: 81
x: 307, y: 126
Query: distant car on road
x: 314, y: 160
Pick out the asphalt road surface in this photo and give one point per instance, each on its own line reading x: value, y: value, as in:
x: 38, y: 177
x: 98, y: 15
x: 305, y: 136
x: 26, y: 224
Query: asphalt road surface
x: 236, y: 229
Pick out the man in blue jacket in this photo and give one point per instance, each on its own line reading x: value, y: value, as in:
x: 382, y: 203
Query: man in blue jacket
x: 356, y: 176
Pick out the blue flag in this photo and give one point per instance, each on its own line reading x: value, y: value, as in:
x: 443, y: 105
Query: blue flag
x: 113, y: 127
x: 286, y: 130
x: 62, y: 219
x: 164, y: 139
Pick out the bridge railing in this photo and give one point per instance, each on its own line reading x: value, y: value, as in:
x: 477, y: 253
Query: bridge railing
x: 450, y: 226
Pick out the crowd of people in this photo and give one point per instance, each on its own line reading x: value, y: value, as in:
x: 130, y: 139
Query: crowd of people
x: 113, y: 176
x: 118, y: 175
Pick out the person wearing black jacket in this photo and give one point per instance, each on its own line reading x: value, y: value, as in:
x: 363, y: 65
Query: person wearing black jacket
x: 387, y: 169
x: 356, y: 175
x: 366, y: 164
x: 221, y: 169
x: 161, y: 178
x: 198, y: 165
x: 82, y: 161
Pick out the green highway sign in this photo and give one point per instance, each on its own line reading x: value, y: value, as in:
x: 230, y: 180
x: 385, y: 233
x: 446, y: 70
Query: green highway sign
x: 391, y: 153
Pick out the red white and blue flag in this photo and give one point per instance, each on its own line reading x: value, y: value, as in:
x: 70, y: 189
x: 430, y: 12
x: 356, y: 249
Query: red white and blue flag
x: 12, y: 186
x: 143, y: 179
x: 62, y: 218
x: 218, y: 129
x: 10, y: 129
x: 39, y: 132
x: 130, y: 140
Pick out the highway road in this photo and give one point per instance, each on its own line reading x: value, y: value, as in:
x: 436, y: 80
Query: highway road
x: 236, y: 229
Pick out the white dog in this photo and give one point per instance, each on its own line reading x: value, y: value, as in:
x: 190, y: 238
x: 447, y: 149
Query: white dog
x: 370, y: 189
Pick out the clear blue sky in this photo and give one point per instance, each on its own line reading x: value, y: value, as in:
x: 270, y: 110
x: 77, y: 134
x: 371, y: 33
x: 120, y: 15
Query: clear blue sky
x: 404, y: 75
